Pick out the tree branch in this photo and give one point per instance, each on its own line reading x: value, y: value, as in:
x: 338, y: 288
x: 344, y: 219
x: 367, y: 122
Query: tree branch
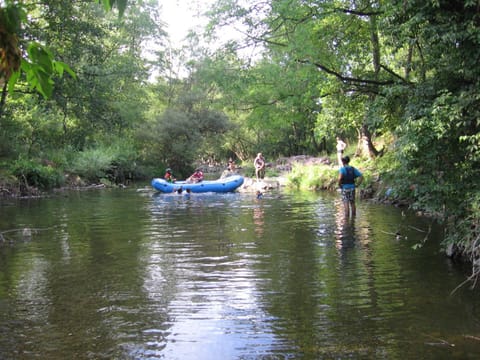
x: 391, y: 72
x: 346, y: 78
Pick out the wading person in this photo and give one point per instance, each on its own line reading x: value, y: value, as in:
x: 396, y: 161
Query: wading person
x: 346, y: 181
x: 259, y: 164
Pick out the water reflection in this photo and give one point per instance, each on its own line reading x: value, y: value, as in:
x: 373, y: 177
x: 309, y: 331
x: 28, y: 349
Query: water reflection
x: 258, y: 219
x: 129, y: 276
x: 212, y: 294
x: 345, y: 228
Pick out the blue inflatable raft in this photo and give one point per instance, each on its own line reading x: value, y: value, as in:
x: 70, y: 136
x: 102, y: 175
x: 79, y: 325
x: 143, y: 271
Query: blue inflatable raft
x: 224, y: 185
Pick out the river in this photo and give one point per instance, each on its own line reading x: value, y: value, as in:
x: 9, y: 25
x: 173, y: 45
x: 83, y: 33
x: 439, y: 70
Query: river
x: 130, y: 274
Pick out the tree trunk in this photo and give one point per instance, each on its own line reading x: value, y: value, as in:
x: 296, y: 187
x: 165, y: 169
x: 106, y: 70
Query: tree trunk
x: 365, y: 146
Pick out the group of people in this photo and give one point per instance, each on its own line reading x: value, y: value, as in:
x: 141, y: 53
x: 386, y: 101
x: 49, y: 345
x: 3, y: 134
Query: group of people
x: 349, y: 177
x: 258, y: 163
x: 196, y: 177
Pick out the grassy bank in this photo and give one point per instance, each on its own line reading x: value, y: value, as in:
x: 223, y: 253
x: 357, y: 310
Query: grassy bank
x: 325, y: 177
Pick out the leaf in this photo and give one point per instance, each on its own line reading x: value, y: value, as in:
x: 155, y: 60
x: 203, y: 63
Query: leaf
x: 37, y: 78
x: 45, y: 84
x: 13, y: 80
x: 41, y: 56
x: 60, y: 67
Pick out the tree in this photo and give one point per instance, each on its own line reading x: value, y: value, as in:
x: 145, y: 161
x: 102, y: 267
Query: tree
x: 107, y: 53
x: 335, y: 42
x: 39, y: 65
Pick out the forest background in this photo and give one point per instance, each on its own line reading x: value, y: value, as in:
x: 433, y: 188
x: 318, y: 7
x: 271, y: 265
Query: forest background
x: 91, y: 92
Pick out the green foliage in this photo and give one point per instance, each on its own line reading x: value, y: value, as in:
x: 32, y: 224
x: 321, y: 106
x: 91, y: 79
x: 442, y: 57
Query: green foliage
x: 313, y: 177
x: 325, y: 177
x: 81, y: 112
x: 464, y: 232
x: 185, y: 133
x: 435, y: 162
x: 271, y: 172
x: 40, y: 69
x: 92, y: 165
x: 248, y: 169
x: 116, y: 162
x: 36, y: 62
x: 109, y: 4
x: 31, y: 173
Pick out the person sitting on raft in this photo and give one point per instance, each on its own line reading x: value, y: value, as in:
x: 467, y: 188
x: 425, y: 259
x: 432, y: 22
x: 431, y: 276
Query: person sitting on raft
x: 196, y: 177
x: 231, y: 165
x: 169, y: 176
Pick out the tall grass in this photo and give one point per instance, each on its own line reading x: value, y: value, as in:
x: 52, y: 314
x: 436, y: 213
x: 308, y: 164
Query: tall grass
x: 313, y: 177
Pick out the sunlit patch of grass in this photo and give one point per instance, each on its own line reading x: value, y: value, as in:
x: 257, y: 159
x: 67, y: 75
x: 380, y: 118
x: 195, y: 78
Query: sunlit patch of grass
x: 312, y: 177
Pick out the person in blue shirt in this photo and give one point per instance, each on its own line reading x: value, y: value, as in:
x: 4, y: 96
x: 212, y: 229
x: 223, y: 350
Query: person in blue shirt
x: 346, y: 181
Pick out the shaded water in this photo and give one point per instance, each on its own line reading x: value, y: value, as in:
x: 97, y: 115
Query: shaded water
x: 120, y: 274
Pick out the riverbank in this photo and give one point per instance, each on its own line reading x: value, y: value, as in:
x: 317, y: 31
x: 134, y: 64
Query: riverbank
x: 300, y: 172
x: 13, y: 188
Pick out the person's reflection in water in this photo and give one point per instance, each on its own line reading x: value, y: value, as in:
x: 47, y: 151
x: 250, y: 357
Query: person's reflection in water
x: 345, y: 229
x: 258, y: 215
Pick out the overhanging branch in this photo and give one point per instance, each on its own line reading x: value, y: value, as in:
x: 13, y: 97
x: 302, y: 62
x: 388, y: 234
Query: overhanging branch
x: 347, y: 79
x: 353, y: 80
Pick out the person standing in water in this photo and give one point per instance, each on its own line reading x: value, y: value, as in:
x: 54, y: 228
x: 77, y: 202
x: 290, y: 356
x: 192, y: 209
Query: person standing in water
x: 259, y: 164
x: 346, y: 181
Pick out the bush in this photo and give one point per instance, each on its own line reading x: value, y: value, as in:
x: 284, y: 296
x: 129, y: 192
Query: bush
x: 31, y: 173
x: 116, y: 163
x: 313, y: 177
x: 92, y: 164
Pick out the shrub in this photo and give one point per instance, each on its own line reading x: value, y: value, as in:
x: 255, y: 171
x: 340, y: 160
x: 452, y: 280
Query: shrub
x: 31, y: 173
x: 315, y: 177
x: 115, y: 162
x: 92, y: 164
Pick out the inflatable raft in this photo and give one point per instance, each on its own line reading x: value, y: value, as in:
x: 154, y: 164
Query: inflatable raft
x: 224, y: 185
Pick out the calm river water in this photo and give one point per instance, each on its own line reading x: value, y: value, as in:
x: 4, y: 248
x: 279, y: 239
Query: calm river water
x: 124, y: 274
